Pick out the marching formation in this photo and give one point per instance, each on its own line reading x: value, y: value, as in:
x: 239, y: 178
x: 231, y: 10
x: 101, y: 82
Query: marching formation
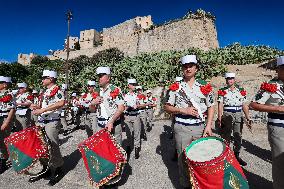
x: 104, y: 112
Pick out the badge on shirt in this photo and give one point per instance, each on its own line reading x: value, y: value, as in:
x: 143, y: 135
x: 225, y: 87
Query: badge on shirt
x: 59, y: 96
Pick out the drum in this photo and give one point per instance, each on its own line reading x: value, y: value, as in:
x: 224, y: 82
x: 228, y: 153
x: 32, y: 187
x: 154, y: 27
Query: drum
x: 104, y: 159
x: 212, y: 165
x: 26, y: 148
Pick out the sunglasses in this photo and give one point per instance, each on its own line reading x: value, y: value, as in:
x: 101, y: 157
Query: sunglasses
x: 230, y: 78
x: 90, y: 86
x: 45, y: 77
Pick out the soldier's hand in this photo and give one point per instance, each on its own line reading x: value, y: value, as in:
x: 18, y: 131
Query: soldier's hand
x: 109, y: 126
x: 37, y: 112
x: 97, y: 101
x: 207, y: 131
x: 219, y: 122
x: 190, y: 111
x: 34, y: 106
x: 4, y: 126
x: 280, y: 109
x: 249, y: 124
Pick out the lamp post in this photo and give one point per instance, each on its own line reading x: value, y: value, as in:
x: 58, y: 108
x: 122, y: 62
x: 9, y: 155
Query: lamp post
x: 69, y: 16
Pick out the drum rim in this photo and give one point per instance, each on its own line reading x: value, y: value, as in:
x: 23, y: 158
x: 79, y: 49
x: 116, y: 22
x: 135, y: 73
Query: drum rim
x: 223, y: 154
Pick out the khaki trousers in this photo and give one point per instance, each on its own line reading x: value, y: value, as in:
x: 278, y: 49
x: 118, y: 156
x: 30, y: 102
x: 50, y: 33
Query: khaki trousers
x: 276, y: 141
x: 133, y: 130
x: 232, y: 122
x: 184, y: 135
x: 52, y: 129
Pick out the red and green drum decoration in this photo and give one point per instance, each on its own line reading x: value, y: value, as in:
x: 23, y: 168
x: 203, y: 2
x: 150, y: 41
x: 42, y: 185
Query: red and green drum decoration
x: 104, y: 159
x: 26, y: 148
x: 222, y: 172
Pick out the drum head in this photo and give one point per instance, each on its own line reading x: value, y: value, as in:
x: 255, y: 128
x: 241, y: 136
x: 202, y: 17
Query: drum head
x: 205, y: 149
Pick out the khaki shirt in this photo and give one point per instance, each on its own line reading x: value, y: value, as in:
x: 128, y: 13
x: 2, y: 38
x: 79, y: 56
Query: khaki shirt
x: 86, y: 100
x: 5, y: 107
x: 22, y: 98
x: 203, y: 101
x: 275, y: 98
x: 141, y: 100
x: 130, y: 99
x: 270, y: 98
x: 110, y: 104
x: 51, y: 97
x: 236, y: 97
x: 150, y: 100
x: 36, y: 100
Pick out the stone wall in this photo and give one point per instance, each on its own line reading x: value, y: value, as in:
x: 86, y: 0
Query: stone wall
x: 131, y: 39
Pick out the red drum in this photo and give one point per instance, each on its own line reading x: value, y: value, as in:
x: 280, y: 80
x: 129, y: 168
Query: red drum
x: 26, y: 148
x: 212, y: 165
x: 104, y: 159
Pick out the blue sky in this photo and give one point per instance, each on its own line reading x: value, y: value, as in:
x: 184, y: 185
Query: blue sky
x: 39, y: 25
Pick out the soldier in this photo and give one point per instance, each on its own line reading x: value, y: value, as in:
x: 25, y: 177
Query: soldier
x: 231, y: 105
x: 23, y: 102
x: 175, y: 157
x: 142, y: 111
x: 151, y: 103
x: 131, y: 119
x: 49, y: 118
x: 189, y: 101
x: 177, y: 80
x: 63, y: 115
x: 270, y: 98
x: 75, y: 110
x: 36, y: 100
x: 109, y: 105
x: 89, y: 115
x: 7, y: 111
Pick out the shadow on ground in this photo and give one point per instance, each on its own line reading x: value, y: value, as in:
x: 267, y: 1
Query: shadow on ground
x: 257, y: 182
x: 166, y: 149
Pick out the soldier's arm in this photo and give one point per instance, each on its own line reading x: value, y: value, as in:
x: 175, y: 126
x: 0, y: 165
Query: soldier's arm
x: 9, y: 119
x: 54, y: 106
x: 259, y: 103
x: 118, y: 113
x: 266, y: 108
x: 27, y: 104
x: 246, y: 111
x: 220, y: 110
x: 210, y: 116
x: 172, y: 110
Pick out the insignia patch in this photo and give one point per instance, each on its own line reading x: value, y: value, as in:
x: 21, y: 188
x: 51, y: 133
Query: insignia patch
x: 59, y: 95
x: 258, y: 96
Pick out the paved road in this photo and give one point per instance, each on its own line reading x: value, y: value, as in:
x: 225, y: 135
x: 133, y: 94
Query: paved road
x: 154, y: 169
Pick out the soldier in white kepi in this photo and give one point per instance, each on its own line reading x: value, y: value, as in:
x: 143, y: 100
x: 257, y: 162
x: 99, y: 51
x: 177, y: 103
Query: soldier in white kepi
x: 7, y: 111
x: 231, y: 106
x: 49, y: 118
x: 36, y: 100
x: 151, y: 103
x: 89, y: 113
x: 142, y: 111
x: 64, y: 111
x: 109, y: 104
x: 270, y: 98
x: 75, y: 114
x: 132, y: 122
x: 191, y: 101
x: 23, y: 102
